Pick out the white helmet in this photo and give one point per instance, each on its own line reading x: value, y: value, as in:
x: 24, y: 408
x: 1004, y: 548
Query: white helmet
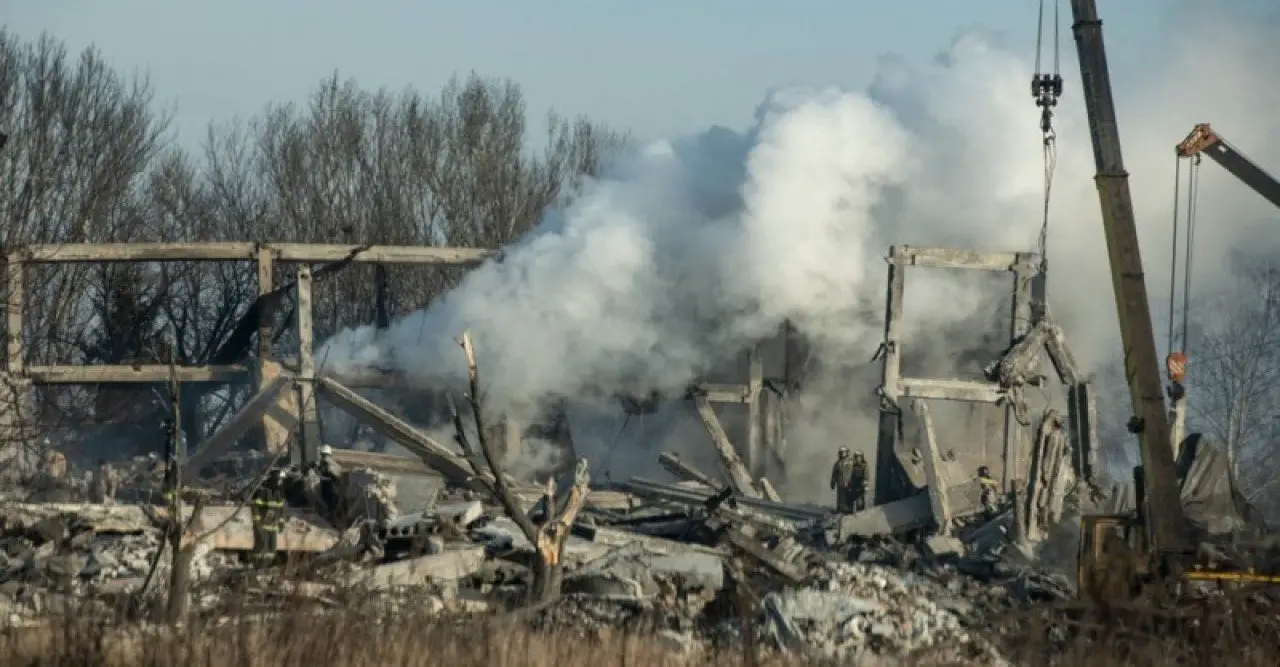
x: 326, y: 450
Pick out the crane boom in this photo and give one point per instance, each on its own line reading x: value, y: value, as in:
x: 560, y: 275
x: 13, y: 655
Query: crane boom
x: 1203, y: 140
x: 1165, y: 519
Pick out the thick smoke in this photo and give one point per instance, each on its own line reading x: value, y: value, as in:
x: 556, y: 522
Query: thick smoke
x: 692, y: 248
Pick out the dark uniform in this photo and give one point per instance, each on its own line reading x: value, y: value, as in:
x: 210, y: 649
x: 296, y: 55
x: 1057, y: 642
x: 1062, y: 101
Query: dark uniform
x: 989, y: 490
x: 331, y: 486
x: 268, y: 518
x: 849, y: 480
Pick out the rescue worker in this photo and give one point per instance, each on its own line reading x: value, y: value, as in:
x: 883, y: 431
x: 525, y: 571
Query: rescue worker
x: 330, y: 491
x: 859, y: 482
x: 104, y: 483
x: 849, y: 481
x: 268, y: 518
x: 990, y: 490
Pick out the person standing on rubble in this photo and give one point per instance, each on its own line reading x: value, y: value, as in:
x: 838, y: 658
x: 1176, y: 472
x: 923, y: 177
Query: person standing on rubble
x: 849, y: 481
x: 330, y: 474
x: 989, y: 490
x: 105, y: 482
x: 268, y: 518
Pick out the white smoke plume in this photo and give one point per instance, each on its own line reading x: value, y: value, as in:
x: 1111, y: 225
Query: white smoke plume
x: 690, y: 249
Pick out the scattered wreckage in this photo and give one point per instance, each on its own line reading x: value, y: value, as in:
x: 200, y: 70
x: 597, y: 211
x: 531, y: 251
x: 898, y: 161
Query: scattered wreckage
x: 640, y: 549
x: 932, y: 570
x: 672, y: 554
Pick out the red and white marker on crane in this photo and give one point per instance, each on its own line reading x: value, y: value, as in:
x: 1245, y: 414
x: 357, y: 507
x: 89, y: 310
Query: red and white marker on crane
x: 1176, y: 366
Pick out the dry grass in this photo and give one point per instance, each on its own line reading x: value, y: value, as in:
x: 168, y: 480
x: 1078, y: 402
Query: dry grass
x: 376, y: 634
x: 347, y: 640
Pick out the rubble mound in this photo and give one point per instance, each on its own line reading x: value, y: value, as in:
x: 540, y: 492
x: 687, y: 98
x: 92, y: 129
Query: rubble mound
x: 852, y: 611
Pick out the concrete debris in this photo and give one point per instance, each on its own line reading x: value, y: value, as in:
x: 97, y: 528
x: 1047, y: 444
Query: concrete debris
x: 853, y: 611
x: 447, y: 566
x: 632, y: 573
x: 886, y: 585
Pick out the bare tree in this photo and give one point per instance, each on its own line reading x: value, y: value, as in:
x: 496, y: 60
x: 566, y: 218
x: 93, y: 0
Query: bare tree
x: 372, y: 167
x: 1234, y: 372
x: 81, y: 138
x: 549, y: 538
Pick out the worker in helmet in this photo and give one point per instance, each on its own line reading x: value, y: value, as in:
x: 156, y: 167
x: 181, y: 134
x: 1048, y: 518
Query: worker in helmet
x: 268, y: 517
x: 849, y: 481
x: 325, y: 478
x: 989, y: 490
x: 326, y: 466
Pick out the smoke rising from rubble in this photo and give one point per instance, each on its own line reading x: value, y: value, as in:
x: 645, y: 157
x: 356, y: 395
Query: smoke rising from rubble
x: 692, y: 248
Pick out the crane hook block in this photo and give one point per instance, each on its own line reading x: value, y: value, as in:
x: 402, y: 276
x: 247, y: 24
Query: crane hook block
x: 1176, y: 366
x: 1046, y: 89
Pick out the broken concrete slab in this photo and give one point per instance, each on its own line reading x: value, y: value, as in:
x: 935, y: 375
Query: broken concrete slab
x: 889, y: 518
x: 230, y: 528
x: 631, y: 573
x: 437, y: 568
x: 685, y: 495
x: 87, y: 516
x: 940, y: 547
x: 586, y: 543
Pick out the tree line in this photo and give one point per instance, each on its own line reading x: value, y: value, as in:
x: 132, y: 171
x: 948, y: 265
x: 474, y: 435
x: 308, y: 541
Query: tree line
x: 91, y: 159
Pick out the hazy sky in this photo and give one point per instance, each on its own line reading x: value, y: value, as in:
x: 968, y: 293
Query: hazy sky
x: 656, y: 67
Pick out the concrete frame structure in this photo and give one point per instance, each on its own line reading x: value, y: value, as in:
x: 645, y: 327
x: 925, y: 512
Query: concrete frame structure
x: 764, y: 398
x: 1028, y: 287
x: 265, y: 255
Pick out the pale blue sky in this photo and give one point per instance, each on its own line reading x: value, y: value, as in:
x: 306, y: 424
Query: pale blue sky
x: 658, y: 67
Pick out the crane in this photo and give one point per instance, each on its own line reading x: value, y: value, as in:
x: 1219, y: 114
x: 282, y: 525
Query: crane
x: 1202, y: 140
x: 1156, y: 543
x: 1165, y: 523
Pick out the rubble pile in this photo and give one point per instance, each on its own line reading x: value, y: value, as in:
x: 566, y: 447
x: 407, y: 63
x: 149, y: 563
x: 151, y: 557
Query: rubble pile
x: 852, y: 610
x: 696, y: 562
x: 59, y: 555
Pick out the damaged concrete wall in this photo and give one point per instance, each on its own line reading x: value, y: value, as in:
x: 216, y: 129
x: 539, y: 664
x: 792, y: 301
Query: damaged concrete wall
x: 998, y: 401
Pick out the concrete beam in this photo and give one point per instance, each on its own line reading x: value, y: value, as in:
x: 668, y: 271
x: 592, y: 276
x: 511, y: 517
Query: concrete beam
x: 686, y: 472
x: 753, y: 450
x: 1064, y: 362
x: 1082, y: 418
x: 950, y: 390
x: 882, y: 473
x: 910, y: 513
x: 439, y: 457
x: 266, y: 330
x: 935, y: 488
x: 245, y: 419
x: 959, y: 258
x: 380, y: 254
x: 1017, y: 441
x: 310, y: 431
x: 139, y: 252
x: 285, y: 252
x: 139, y: 373
x: 719, y: 392
x: 736, y: 470
x: 16, y: 276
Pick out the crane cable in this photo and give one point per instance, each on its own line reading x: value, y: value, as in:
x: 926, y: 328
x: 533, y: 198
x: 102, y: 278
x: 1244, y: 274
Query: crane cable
x: 1179, y: 339
x: 1046, y: 88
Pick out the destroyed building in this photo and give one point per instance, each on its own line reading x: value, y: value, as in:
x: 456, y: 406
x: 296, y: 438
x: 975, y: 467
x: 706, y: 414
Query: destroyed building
x: 429, y: 518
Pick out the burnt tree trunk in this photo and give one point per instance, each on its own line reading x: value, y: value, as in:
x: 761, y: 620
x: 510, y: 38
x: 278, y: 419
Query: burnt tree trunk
x: 547, y: 582
x: 179, y: 580
x: 549, y: 538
